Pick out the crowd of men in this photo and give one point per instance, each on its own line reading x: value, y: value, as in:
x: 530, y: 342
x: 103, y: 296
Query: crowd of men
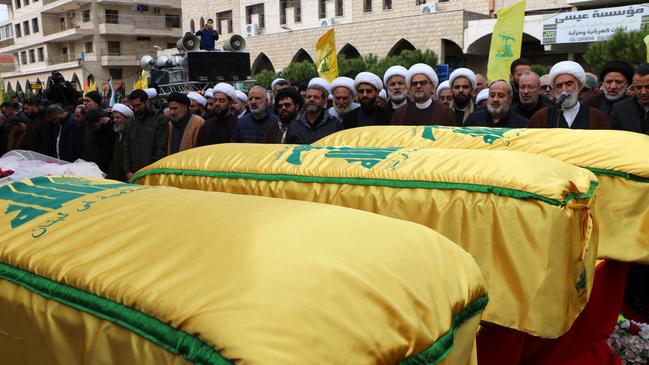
x: 144, y: 127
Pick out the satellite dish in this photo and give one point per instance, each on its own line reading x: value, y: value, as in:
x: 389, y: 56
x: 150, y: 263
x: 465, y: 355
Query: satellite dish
x: 147, y: 62
x: 236, y: 43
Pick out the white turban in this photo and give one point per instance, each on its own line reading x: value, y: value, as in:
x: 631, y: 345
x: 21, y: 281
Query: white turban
x: 226, y: 89
x: 443, y: 86
x: 394, y: 71
x: 482, y: 96
x: 276, y: 81
x: 151, y: 93
x: 383, y: 95
x: 198, y: 98
x: 568, y: 67
x: 345, y: 82
x: 423, y: 69
x: 209, y: 94
x: 368, y: 78
x: 123, y: 110
x: 319, y: 83
x: 241, y: 96
x: 463, y: 72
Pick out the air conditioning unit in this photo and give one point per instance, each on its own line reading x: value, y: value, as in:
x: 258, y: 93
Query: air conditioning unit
x: 327, y: 22
x: 428, y: 8
x: 252, y: 30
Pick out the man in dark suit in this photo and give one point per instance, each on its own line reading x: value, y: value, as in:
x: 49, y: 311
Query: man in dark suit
x: 632, y: 114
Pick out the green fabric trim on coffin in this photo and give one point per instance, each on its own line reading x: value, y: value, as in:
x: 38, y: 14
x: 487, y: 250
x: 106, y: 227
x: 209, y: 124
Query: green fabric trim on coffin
x: 413, y: 184
x: 615, y: 173
x: 169, y: 338
x: 443, y: 346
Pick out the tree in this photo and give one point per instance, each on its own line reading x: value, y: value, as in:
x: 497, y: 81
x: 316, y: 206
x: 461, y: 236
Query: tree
x: 628, y: 46
x: 299, y: 72
x: 540, y: 70
x: 350, y: 67
x: 265, y: 78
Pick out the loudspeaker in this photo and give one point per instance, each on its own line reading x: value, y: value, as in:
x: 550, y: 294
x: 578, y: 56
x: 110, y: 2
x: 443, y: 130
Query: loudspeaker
x: 189, y: 42
x: 236, y: 43
x: 168, y: 76
x: 218, y: 66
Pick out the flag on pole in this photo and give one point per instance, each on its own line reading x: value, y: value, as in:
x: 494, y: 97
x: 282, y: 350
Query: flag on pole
x: 93, y: 86
x: 2, y: 96
x: 145, y: 80
x: 506, y: 41
x: 86, y: 88
x: 646, y: 42
x: 113, y: 97
x: 326, y: 58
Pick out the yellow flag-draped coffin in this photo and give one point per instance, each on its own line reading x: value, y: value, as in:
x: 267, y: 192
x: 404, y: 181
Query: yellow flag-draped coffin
x: 619, y: 159
x: 525, y: 218
x: 98, y: 272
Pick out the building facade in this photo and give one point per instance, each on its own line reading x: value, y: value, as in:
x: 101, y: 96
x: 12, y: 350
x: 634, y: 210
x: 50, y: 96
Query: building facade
x: 279, y: 32
x: 101, y: 39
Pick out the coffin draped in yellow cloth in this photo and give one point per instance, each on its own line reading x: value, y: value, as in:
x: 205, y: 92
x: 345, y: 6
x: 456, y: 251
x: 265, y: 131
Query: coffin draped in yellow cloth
x: 619, y: 159
x: 524, y: 217
x: 95, y: 271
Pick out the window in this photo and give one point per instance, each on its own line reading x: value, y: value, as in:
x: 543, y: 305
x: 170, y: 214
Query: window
x: 255, y: 9
x: 85, y: 16
x: 23, y: 57
x: 112, y: 16
x: 387, y: 4
x: 224, y: 16
x: 18, y: 32
x: 88, y: 47
x: 35, y: 25
x: 172, y: 20
x: 115, y: 73
x: 32, y: 56
x: 41, y: 54
x: 420, y: 2
x: 142, y: 39
x: 339, y: 8
x: 26, y: 2
x: 367, y: 6
x: 17, y: 4
x: 26, y: 27
x: 297, y: 10
x: 113, y: 48
x: 322, y: 9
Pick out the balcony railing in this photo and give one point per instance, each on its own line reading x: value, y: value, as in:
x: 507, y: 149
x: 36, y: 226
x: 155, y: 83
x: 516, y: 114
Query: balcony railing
x: 6, y: 42
x: 53, y: 26
x: 62, y: 58
x: 143, y: 21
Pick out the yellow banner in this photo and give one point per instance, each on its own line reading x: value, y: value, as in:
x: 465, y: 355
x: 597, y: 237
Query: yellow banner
x: 646, y: 42
x: 506, y: 41
x: 326, y: 58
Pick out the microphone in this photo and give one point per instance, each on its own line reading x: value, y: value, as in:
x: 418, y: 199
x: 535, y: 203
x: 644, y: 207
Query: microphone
x: 564, y: 95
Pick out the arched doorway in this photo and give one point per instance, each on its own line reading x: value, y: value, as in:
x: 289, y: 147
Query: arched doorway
x: 401, y: 45
x: 192, y: 26
x: 302, y: 56
x: 349, y: 52
x: 202, y: 23
x: 262, y: 62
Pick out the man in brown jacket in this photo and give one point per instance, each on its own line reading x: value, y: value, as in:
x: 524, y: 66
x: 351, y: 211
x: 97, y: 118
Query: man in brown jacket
x: 568, y: 78
x: 422, y: 83
x: 184, y: 125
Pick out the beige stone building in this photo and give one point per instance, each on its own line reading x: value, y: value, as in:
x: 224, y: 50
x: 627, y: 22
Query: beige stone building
x: 458, y: 31
x: 81, y: 38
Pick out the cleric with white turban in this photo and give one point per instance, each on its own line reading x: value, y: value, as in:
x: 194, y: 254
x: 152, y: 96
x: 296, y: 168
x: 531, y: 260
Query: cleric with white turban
x: 343, y: 93
x: 151, y: 93
x: 225, y: 89
x: 567, y: 79
x: 370, y: 79
x: 462, y: 82
x: 368, y: 86
x: 394, y: 80
x: 123, y: 110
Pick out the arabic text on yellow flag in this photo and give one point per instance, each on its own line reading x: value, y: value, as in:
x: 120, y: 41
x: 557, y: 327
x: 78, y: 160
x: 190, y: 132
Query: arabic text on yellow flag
x: 506, y: 41
x: 326, y: 59
x: 646, y: 42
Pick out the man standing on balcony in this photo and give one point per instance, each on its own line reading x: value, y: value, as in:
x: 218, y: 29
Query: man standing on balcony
x: 208, y: 36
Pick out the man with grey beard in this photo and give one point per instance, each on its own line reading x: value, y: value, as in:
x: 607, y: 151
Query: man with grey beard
x: 121, y: 116
x: 394, y: 80
x: 567, y: 79
x: 251, y: 127
x: 616, y: 77
x: 343, y: 91
x: 498, y: 109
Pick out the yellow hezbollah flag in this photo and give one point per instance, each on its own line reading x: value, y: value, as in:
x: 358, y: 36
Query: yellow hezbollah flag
x: 646, y: 42
x: 326, y: 58
x: 143, y: 82
x: 506, y: 41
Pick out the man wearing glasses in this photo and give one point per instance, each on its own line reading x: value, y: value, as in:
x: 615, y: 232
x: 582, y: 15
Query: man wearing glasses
x: 423, y: 110
x: 546, y: 88
x: 529, y: 92
x: 368, y: 86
